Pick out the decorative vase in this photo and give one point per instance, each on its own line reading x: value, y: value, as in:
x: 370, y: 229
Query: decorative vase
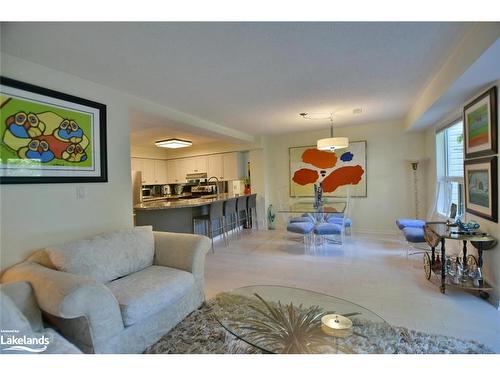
x: 271, y: 218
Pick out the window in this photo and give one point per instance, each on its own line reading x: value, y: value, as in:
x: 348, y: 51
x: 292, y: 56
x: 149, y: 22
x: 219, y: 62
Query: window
x: 450, y: 168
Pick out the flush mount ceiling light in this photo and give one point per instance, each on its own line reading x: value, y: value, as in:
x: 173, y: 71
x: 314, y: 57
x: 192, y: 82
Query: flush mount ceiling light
x: 173, y: 143
x: 327, y: 144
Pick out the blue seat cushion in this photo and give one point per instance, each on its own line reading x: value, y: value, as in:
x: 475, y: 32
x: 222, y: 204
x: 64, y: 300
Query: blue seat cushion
x: 327, y: 228
x: 414, y: 235
x: 300, y: 227
x: 338, y: 220
x: 301, y: 219
x: 412, y: 223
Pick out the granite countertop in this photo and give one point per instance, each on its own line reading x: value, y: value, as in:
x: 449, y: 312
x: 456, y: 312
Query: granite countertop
x: 165, y: 197
x: 183, y: 203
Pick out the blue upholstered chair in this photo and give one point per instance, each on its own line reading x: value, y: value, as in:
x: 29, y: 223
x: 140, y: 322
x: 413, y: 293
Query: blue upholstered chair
x: 336, y: 219
x: 411, y: 223
x: 301, y: 219
x: 322, y: 230
x: 415, y: 240
x: 303, y: 228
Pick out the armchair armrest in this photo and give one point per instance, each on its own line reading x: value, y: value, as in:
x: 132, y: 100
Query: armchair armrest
x: 183, y: 251
x: 68, y: 296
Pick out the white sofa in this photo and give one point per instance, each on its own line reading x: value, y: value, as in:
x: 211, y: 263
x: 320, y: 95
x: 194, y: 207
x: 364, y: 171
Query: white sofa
x: 118, y: 292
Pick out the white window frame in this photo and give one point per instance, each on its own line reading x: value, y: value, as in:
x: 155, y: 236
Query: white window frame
x: 446, y: 181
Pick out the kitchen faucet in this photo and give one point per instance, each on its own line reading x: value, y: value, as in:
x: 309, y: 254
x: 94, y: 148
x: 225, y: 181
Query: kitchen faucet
x: 216, y: 185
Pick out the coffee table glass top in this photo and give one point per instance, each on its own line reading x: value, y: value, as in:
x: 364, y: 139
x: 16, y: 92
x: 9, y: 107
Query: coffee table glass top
x: 278, y: 319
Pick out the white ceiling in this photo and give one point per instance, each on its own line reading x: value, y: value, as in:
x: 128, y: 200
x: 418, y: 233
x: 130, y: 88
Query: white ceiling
x: 147, y: 128
x: 254, y: 77
x: 482, y: 73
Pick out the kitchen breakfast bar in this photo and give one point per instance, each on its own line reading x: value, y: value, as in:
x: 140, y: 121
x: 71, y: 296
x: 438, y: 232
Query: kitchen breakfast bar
x: 176, y: 215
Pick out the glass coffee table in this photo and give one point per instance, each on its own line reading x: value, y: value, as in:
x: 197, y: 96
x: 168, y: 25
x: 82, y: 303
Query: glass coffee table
x: 278, y: 319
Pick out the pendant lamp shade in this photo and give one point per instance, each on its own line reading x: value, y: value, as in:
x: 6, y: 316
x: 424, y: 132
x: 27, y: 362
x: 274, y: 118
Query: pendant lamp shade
x: 332, y: 144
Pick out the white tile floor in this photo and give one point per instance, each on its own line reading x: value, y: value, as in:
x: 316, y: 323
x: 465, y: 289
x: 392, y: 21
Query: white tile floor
x: 372, y: 271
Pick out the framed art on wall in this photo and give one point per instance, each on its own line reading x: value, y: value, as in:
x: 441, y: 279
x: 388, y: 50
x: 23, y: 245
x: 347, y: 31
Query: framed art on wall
x: 481, y: 187
x: 340, y: 172
x: 50, y: 137
x: 480, y: 125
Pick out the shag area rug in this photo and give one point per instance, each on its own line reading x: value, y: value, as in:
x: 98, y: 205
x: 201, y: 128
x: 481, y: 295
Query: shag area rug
x: 201, y: 333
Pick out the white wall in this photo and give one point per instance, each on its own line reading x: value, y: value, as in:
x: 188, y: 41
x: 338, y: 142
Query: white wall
x: 36, y: 215
x: 492, y: 257
x: 390, y: 187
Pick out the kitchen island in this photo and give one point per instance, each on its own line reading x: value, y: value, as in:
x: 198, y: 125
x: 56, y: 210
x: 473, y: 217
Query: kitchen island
x: 177, y: 215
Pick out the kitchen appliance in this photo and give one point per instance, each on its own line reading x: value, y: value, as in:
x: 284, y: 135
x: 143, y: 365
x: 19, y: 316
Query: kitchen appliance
x: 178, y: 189
x: 196, y: 178
x: 147, y: 192
x: 166, y: 190
x: 203, y: 190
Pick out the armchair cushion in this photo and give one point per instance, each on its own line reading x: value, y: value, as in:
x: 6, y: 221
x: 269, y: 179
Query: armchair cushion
x: 106, y: 257
x: 146, y: 292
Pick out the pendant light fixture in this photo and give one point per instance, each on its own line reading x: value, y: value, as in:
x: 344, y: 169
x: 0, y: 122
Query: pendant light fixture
x: 327, y: 144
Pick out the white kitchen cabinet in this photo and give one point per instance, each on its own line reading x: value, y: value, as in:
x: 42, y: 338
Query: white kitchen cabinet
x: 148, y: 171
x: 136, y: 164
x: 233, y: 168
x: 227, y: 166
x: 160, y: 172
x: 173, y: 173
x: 153, y: 171
x: 184, y: 166
x: 197, y: 164
x: 200, y: 164
x: 215, y: 166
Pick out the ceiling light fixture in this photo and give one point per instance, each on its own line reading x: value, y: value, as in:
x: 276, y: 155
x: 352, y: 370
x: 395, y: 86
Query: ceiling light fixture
x: 173, y: 143
x: 327, y: 144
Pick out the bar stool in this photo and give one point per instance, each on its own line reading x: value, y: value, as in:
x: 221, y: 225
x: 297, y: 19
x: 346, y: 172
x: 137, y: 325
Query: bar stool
x: 230, y: 215
x: 241, y: 211
x: 252, y: 208
x: 215, y: 215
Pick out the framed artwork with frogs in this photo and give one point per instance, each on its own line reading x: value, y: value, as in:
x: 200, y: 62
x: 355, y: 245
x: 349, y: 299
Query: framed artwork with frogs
x: 50, y: 137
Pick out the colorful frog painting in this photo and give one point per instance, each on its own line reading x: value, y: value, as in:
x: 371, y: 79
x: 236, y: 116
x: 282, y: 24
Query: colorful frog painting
x: 44, y: 137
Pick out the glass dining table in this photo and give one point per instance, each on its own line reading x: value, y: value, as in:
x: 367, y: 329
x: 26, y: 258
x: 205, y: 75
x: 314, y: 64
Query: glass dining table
x: 319, y: 215
x: 319, y: 212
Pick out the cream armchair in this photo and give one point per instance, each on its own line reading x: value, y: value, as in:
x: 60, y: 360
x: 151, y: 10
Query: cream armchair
x: 118, y: 292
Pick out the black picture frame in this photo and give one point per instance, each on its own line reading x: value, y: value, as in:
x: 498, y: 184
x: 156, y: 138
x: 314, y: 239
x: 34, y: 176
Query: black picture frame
x: 491, y: 94
x: 101, y: 149
x: 492, y: 165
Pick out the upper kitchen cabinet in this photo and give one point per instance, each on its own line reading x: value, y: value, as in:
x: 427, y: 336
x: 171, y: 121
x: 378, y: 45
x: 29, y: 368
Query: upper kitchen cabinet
x: 197, y: 164
x: 154, y: 172
x: 215, y: 166
x: 147, y: 169
x: 233, y: 167
x: 174, y: 172
x: 160, y: 172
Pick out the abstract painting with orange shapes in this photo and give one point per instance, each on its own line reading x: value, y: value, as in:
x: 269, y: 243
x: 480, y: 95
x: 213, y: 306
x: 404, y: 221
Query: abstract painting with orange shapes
x: 340, y: 172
